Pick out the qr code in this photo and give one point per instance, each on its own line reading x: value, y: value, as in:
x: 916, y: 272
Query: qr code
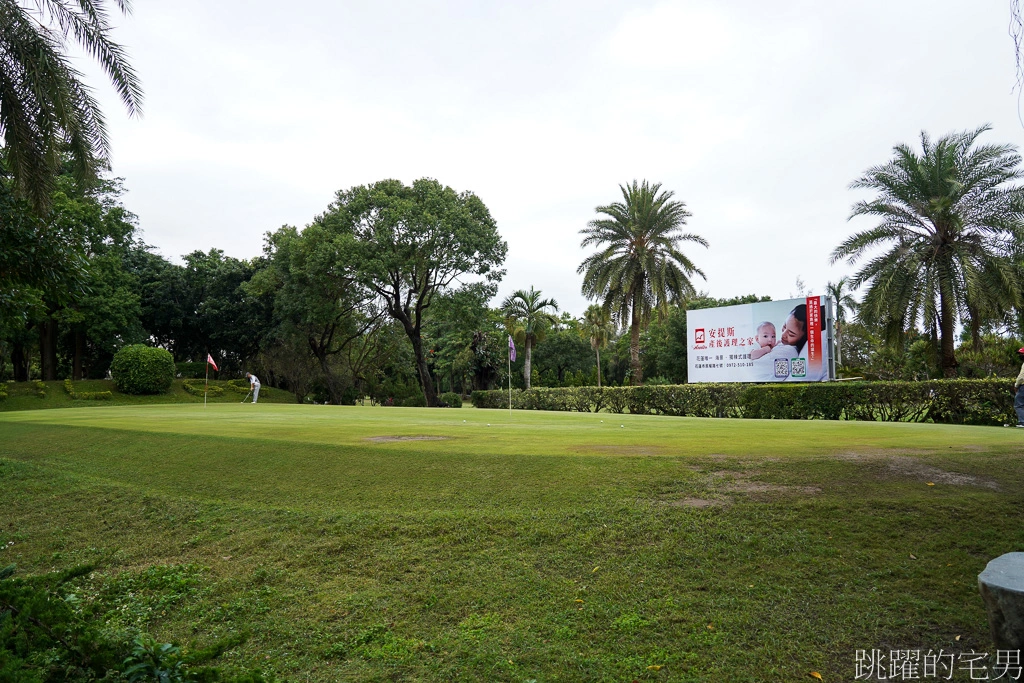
x: 781, y: 368
x: 799, y: 367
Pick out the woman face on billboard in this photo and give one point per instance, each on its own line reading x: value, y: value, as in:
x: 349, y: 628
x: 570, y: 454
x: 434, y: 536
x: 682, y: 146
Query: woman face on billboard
x: 794, y: 332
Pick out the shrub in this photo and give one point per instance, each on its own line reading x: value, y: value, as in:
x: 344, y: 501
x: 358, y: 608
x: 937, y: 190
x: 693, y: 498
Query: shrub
x: 452, y: 399
x: 3, y: 392
x: 416, y: 401
x: 48, y: 634
x: 40, y: 388
x: 198, y: 388
x: 240, y: 386
x: 93, y: 395
x: 141, y: 369
x: 961, y: 401
x: 69, y: 388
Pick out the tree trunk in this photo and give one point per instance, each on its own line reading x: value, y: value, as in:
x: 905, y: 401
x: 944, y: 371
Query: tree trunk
x: 423, y: 372
x: 528, y: 362
x: 320, y: 353
x: 76, y: 365
x: 48, y: 349
x: 634, y: 343
x: 946, y: 341
x: 598, y: 367
x: 20, y: 362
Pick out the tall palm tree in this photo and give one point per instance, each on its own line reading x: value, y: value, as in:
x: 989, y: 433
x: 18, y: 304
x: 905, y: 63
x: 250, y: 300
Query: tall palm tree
x: 639, y: 268
x: 45, y: 109
x: 598, y: 327
x: 948, y: 222
x: 840, y: 292
x: 528, y: 318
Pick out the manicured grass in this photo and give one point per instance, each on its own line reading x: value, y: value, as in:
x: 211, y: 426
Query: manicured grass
x: 547, y: 546
x: 25, y: 395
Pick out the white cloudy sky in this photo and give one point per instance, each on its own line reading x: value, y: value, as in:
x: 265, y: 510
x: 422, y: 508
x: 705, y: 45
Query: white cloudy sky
x: 756, y: 114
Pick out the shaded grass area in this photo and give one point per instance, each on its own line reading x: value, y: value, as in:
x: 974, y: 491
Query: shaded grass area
x: 25, y: 395
x: 545, y: 547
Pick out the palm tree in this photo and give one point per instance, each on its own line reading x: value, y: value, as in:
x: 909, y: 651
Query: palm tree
x: 528, y: 318
x: 840, y: 293
x: 45, y: 109
x: 598, y: 326
x: 639, y: 268
x: 949, y: 220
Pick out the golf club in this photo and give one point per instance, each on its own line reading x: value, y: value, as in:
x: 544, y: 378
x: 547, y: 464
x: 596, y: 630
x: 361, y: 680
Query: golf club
x: 246, y: 396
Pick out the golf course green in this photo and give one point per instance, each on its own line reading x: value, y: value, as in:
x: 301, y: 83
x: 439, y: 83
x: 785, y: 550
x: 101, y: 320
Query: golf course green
x: 371, y: 544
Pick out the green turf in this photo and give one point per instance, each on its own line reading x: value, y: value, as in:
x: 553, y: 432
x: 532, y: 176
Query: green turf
x: 25, y: 395
x: 546, y: 546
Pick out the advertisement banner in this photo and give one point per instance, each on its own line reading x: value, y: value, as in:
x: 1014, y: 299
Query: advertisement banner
x: 770, y: 341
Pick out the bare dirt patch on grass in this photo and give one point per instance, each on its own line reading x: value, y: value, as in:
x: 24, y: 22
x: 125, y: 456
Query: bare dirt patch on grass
x: 724, y: 487
x: 392, y: 439
x: 914, y: 469
x: 904, y: 465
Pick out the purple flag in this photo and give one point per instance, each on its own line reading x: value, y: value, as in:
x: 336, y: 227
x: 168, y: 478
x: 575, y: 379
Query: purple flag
x: 511, y: 349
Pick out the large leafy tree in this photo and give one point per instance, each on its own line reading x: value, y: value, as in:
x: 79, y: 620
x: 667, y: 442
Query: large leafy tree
x: 639, y: 268
x: 317, y: 300
x: 528, y: 318
x: 598, y: 327
x: 46, y: 111
x: 949, y: 219
x: 412, y: 243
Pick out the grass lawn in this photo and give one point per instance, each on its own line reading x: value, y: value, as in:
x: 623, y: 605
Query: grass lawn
x: 25, y: 395
x: 373, y: 544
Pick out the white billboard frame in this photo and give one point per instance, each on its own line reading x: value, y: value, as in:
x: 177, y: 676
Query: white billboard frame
x: 745, y: 342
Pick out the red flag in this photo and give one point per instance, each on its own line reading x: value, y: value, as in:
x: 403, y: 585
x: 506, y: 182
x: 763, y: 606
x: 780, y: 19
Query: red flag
x: 209, y: 359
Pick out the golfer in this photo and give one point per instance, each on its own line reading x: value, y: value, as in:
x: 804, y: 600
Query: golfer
x: 1018, y: 386
x: 254, y: 385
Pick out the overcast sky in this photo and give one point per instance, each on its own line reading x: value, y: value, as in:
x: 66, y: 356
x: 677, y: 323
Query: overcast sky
x: 757, y: 115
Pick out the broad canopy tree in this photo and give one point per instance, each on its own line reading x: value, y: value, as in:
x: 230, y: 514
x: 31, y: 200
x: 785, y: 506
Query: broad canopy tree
x: 411, y: 242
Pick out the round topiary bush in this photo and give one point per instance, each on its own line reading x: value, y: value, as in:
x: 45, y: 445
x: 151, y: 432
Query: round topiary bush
x: 452, y: 399
x: 141, y: 369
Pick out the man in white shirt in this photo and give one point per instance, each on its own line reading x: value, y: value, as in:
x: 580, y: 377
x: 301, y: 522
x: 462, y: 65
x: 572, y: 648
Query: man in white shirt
x: 254, y: 385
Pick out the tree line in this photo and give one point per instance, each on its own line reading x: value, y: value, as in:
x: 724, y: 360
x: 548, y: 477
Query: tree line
x: 387, y: 292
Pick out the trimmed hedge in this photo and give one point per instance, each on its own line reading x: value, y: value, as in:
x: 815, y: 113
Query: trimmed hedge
x: 69, y: 388
x: 961, y: 401
x: 240, y: 386
x: 141, y: 369
x: 197, y: 388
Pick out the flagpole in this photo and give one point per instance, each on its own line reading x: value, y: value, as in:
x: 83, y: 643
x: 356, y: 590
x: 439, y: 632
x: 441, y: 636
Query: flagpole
x: 510, y: 382
x: 207, y: 386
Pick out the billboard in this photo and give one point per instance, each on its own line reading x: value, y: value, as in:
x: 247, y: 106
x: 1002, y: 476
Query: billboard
x: 770, y: 341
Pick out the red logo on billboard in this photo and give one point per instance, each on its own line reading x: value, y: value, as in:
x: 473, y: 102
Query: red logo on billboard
x: 698, y: 335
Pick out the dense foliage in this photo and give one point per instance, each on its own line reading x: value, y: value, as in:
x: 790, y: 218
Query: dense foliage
x: 975, y: 402
x: 141, y: 369
x: 47, y: 633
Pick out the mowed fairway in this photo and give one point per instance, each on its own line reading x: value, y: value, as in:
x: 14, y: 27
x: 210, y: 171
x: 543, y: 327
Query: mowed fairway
x: 376, y: 544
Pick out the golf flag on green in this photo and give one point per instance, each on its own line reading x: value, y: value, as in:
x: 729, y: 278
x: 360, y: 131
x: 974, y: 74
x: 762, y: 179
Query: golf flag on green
x: 511, y: 349
x: 209, y: 359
